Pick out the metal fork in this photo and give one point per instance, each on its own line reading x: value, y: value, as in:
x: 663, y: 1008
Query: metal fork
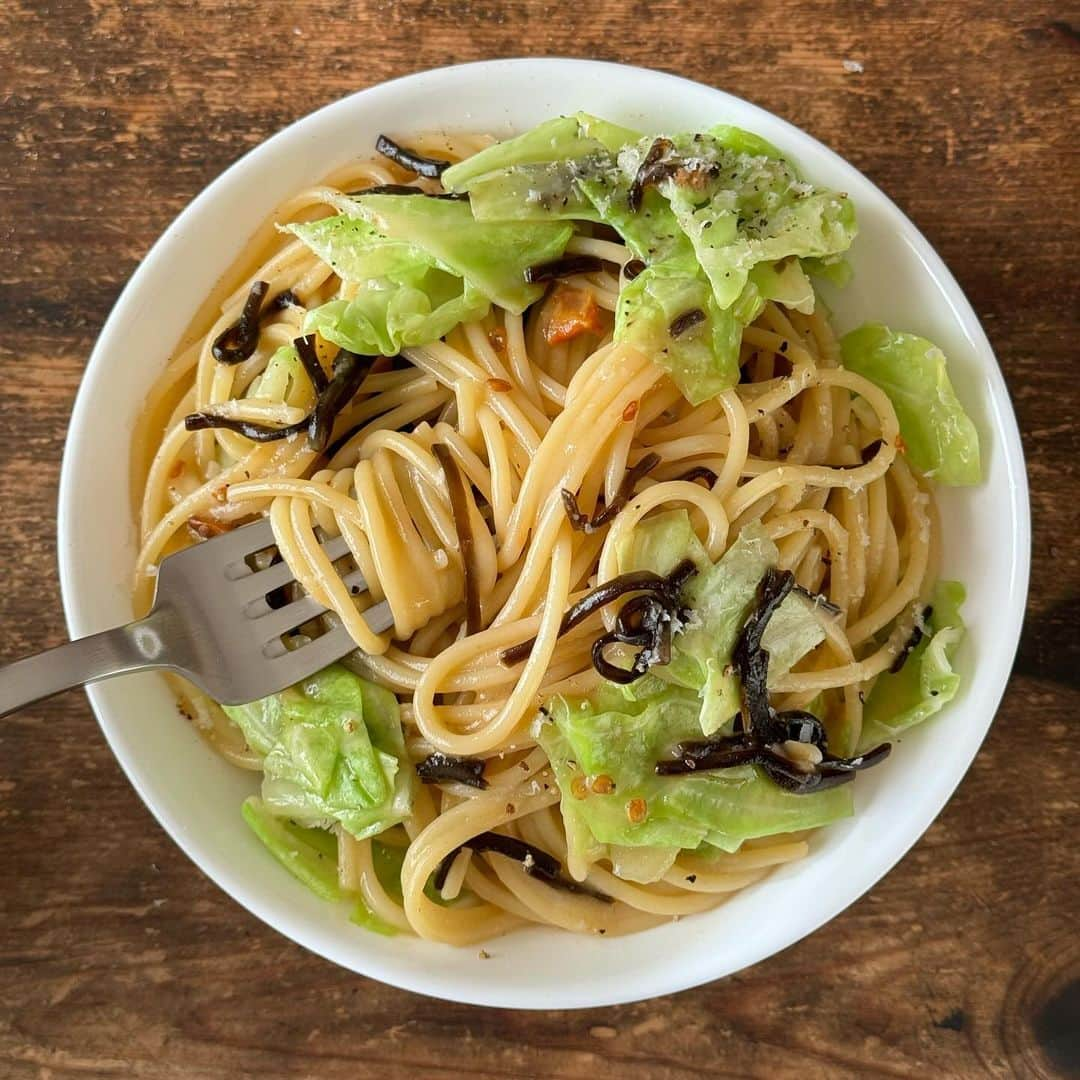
x: 210, y: 622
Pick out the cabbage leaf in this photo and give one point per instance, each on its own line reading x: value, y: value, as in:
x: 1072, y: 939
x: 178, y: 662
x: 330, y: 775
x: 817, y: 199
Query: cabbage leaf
x: 927, y: 681
x: 333, y: 753
x: 940, y: 439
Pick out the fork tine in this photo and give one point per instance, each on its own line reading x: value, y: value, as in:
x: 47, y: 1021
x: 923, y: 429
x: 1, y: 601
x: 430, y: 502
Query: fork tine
x: 259, y: 583
x: 272, y: 622
x: 298, y: 664
x: 246, y: 540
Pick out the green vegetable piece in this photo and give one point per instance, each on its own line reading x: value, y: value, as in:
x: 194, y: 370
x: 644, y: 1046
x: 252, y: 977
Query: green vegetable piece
x: 385, y: 316
x: 737, y: 229
x: 702, y: 360
x: 310, y: 855
x: 355, y: 251
x: 741, y: 141
x: 554, y: 140
x: 530, y: 193
x: 492, y: 257
x: 281, y: 371
x: 363, y: 916
x: 623, y: 739
x: 720, y: 597
x: 332, y: 751
x: 926, y: 682
x: 834, y: 269
x: 941, y: 440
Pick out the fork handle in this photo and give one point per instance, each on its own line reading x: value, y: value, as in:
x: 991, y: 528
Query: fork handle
x: 135, y: 647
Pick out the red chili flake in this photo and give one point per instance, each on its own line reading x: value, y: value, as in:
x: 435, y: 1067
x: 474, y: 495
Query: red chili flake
x: 631, y: 411
x: 499, y: 386
x: 901, y: 446
x: 637, y: 810
x: 603, y: 784
x: 497, y: 339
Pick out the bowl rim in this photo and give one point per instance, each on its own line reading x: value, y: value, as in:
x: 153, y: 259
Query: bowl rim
x: 80, y: 620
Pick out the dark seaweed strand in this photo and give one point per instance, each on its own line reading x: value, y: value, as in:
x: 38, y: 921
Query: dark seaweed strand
x: 305, y: 349
x: 405, y: 189
x: 535, y: 862
x: 438, y: 768
x: 602, y: 595
x: 649, y: 631
x: 442, y: 871
x: 200, y: 421
x: 866, y: 455
x: 563, y: 267
x: 686, y: 321
x: 623, y: 495
x: 759, y: 728
x: 817, y: 600
x: 917, y: 633
x: 869, y: 451
x: 612, y: 672
x: 745, y: 750
x: 350, y: 369
x: 459, y: 507
x: 698, y: 472
x: 751, y: 661
x: 631, y: 269
x: 237, y: 342
x: 644, y: 622
x: 648, y: 173
x: 432, y: 168
x: 280, y: 302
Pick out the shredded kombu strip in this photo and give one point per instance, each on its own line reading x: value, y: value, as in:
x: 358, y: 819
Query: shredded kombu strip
x: 305, y: 349
x: 459, y: 507
x: 624, y: 494
x: 686, y: 321
x: 237, y: 342
x: 349, y: 371
x: 430, y: 167
x: 759, y: 729
x: 866, y: 455
x: 869, y: 452
x: 651, y: 171
x: 280, y: 302
x: 646, y: 622
x: 535, y: 862
x: 698, y: 472
x: 563, y: 267
x: 602, y: 595
x: 916, y: 636
x: 817, y: 600
x: 405, y: 189
x: 751, y: 661
x: 437, y: 768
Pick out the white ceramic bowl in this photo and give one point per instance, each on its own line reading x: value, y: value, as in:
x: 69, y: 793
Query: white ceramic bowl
x: 196, y: 796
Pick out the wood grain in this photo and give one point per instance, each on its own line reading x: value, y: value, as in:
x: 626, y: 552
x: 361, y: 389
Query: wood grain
x: 117, y: 958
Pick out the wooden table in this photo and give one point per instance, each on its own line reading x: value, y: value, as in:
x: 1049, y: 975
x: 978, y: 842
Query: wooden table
x: 117, y: 958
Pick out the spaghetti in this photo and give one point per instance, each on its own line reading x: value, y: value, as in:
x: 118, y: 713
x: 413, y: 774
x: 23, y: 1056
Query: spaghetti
x: 485, y: 483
